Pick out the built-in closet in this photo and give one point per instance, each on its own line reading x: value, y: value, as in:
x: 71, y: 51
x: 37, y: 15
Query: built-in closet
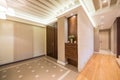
x: 51, y: 36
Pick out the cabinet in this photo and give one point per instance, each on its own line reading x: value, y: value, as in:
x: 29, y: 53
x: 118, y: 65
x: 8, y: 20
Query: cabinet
x: 71, y: 53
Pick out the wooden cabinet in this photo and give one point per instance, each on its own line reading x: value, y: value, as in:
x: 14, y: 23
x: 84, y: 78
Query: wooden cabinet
x: 71, y: 53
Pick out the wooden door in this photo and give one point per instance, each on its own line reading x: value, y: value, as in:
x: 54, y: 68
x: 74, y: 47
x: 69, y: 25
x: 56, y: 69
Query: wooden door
x: 118, y: 36
x: 104, y: 40
x: 51, y: 42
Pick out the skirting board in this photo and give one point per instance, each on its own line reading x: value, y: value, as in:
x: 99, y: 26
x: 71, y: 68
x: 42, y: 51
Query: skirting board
x: 61, y: 62
x: 38, y: 54
x: 20, y: 60
x: 111, y: 53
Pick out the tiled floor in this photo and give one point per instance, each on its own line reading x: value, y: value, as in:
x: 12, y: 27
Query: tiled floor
x: 43, y: 68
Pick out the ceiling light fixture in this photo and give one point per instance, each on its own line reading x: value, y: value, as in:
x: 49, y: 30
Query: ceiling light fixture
x: 102, y: 17
x: 71, y: 14
x: 67, y: 6
x: 104, y: 1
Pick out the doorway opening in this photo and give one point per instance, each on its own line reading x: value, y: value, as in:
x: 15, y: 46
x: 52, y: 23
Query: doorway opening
x: 105, y: 39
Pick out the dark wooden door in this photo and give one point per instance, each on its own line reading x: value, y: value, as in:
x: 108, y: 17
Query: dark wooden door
x: 118, y: 36
x: 51, y: 41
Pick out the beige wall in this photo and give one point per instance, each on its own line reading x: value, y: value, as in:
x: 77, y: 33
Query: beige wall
x: 23, y: 43
x: 85, y: 39
x: 96, y: 40
x: 114, y: 38
x: 20, y: 41
x: 39, y: 41
x: 6, y: 41
x: 61, y: 40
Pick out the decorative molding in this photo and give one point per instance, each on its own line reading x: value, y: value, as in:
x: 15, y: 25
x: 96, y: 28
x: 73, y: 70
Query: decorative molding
x: 24, y: 21
x: 21, y: 60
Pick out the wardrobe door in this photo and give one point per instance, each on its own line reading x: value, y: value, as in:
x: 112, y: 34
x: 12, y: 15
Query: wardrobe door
x: 118, y: 37
x: 51, y: 42
x: 23, y: 41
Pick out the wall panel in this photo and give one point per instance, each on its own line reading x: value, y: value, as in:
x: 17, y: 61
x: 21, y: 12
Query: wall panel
x: 85, y: 39
x: 23, y: 45
x: 6, y: 42
x: 39, y: 41
x: 20, y: 41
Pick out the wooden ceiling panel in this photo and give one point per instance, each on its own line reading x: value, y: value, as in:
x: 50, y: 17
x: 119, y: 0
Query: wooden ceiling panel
x: 36, y: 3
x: 47, y: 3
x: 26, y: 7
x: 33, y: 6
x: 41, y: 8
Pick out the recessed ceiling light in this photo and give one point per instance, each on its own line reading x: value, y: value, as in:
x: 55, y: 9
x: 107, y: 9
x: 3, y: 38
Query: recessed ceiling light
x: 71, y: 14
x: 104, y: 1
x: 74, y: 16
x: 102, y: 23
x: 67, y: 6
x: 102, y: 27
x: 73, y: 3
x: 102, y: 17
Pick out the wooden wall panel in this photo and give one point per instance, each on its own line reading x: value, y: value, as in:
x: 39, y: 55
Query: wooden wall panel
x: 52, y: 41
x: 72, y: 26
x: 118, y: 36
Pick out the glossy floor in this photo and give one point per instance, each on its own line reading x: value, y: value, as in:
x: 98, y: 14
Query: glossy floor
x: 101, y: 67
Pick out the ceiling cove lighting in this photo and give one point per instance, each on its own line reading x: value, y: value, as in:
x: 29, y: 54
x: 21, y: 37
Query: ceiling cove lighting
x: 2, y: 12
x: 92, y: 21
x: 2, y: 15
x: 6, y: 11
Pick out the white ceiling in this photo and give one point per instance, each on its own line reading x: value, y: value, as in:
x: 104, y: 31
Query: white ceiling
x: 103, y: 12
x: 107, y: 13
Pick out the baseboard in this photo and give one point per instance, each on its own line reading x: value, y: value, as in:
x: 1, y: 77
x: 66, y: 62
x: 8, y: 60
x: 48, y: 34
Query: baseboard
x: 61, y: 62
x: 96, y: 52
x: 39, y: 55
x: 21, y: 60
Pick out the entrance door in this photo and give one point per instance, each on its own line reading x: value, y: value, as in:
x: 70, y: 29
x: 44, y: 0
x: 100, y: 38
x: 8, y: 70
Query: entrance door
x: 104, y: 39
x: 52, y: 41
